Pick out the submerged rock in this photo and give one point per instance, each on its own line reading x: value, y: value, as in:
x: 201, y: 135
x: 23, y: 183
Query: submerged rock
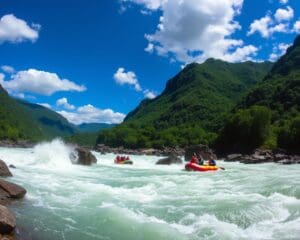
x: 172, y: 159
x: 4, y: 171
x: 85, y: 157
x: 13, y: 190
x: 11, y: 166
x: 7, y: 220
x: 233, y: 157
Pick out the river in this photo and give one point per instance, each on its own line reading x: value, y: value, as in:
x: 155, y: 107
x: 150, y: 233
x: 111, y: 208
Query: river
x: 151, y: 202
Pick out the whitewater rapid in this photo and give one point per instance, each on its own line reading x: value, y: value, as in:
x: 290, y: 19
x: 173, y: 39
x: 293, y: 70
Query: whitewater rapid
x: 148, y: 201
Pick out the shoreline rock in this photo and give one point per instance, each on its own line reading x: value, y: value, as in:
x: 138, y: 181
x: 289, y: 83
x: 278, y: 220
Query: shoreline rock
x: 4, y: 170
x: 264, y: 156
x: 167, y: 151
x: 14, y: 191
x: 8, y: 193
x: 7, y: 220
x: 16, y: 144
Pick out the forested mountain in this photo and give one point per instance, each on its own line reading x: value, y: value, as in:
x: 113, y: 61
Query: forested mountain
x: 23, y: 120
x: 191, y: 109
x: 276, y: 96
x: 49, y: 122
x: 27, y: 121
x: 15, y: 123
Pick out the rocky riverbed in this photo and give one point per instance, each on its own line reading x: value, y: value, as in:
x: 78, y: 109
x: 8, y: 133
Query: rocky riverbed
x: 9, y: 192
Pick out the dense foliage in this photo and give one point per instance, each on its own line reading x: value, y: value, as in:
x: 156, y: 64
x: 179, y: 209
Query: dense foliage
x: 245, y: 130
x: 192, y: 108
x: 143, y: 136
x: 289, y: 135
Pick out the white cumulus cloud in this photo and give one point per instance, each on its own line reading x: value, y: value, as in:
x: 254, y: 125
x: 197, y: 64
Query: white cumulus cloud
x: 284, y: 1
x: 39, y: 82
x: 90, y: 114
x: 266, y: 26
x: 64, y: 103
x: 149, y: 4
x: 8, y: 69
x: 121, y: 77
x: 278, y: 51
x: 284, y: 14
x: 149, y: 94
x: 2, y: 76
x: 194, y: 30
x: 13, y: 29
x: 296, y: 27
x: 47, y: 105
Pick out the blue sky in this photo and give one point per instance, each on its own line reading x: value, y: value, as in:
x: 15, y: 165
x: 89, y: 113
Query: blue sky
x: 94, y: 61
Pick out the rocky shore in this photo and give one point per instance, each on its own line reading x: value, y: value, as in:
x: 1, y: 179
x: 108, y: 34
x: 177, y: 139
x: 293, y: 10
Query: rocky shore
x: 103, y: 149
x: 172, y: 154
x: 16, y: 144
x: 264, y: 156
x: 9, y: 192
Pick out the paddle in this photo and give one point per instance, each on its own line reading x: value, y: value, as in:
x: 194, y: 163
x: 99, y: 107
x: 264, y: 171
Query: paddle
x: 222, y: 168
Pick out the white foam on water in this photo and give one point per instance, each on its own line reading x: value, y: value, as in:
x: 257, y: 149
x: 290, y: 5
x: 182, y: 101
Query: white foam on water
x: 54, y: 154
x: 239, y: 203
x: 146, y: 193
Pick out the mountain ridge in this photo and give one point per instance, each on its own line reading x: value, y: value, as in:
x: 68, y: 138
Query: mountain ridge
x: 193, y: 105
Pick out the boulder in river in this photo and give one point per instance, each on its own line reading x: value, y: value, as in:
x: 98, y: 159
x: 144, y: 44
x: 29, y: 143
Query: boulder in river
x: 11, y: 166
x: 172, y: 159
x: 4, y: 197
x: 85, y: 157
x: 13, y: 190
x: 233, y: 157
x: 4, y: 171
x: 7, y: 220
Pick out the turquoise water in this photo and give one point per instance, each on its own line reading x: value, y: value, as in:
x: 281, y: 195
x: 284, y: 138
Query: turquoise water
x: 146, y: 201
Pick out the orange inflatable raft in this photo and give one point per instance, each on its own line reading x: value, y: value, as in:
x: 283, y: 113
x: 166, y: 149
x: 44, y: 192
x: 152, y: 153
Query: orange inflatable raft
x: 201, y: 168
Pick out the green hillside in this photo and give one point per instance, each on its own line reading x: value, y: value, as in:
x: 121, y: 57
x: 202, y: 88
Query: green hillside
x: 191, y: 109
x: 27, y: 121
x: 279, y: 93
x: 15, y: 122
x: 280, y: 89
x: 49, y: 122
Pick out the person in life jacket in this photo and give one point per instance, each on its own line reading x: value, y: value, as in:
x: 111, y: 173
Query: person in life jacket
x: 212, y: 162
x: 118, y: 159
x: 200, y: 159
x: 194, y: 159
